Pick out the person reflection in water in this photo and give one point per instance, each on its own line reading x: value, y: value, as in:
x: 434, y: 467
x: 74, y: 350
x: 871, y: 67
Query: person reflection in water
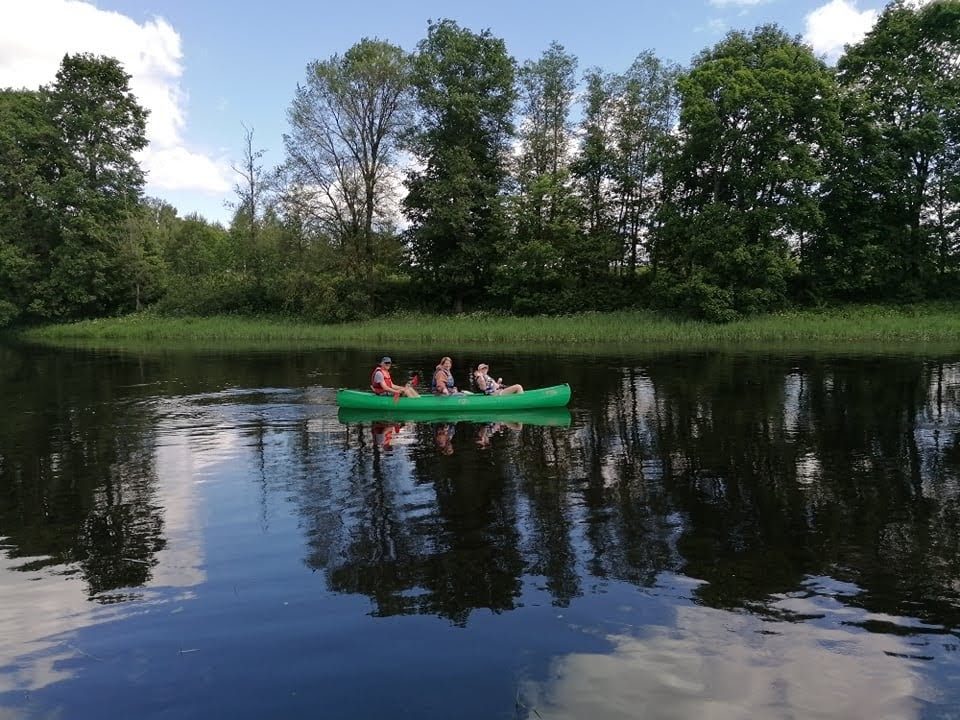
x: 488, y: 430
x: 489, y: 386
x: 383, y: 434
x: 444, y: 437
x: 443, y: 382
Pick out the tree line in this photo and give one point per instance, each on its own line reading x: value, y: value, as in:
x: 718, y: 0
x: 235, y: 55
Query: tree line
x: 453, y: 178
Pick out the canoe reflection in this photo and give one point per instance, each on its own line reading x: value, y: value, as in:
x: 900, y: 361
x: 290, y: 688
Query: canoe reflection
x: 554, y: 417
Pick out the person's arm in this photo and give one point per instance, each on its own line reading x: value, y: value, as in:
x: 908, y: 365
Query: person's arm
x: 481, y: 383
x: 440, y: 380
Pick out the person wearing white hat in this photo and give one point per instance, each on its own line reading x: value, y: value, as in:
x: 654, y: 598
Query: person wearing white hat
x: 489, y: 386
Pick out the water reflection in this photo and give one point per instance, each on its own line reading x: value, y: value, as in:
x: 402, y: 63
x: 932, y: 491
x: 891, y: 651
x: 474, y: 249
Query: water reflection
x: 384, y: 432
x: 753, y: 485
x: 708, y: 663
x: 443, y: 435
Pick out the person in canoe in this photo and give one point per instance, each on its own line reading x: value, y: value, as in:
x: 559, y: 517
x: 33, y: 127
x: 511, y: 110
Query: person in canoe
x: 443, y: 382
x: 488, y: 430
x: 382, y: 384
x: 489, y: 386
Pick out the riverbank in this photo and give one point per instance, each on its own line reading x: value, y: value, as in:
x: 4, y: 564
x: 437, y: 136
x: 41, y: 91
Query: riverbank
x: 906, y: 325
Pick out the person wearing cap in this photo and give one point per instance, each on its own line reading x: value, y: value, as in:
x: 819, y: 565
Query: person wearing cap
x: 489, y: 386
x: 444, y: 437
x: 382, y: 384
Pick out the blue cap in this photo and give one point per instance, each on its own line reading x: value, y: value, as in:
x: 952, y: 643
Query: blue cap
x: 386, y: 359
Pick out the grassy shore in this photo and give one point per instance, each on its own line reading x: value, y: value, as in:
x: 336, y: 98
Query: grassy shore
x: 902, y: 325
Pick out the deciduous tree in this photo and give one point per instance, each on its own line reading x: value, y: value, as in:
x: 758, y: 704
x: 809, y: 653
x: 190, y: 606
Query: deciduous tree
x: 464, y: 83
x: 28, y: 222
x: 644, y: 113
x: 72, y: 190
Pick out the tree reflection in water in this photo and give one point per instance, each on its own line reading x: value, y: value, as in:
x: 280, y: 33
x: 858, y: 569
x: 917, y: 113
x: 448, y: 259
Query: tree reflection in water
x: 748, y: 472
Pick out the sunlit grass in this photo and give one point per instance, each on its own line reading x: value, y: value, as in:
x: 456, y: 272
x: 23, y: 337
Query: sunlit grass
x: 852, y: 324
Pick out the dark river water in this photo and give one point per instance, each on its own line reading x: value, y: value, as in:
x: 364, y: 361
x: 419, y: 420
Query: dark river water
x: 195, y: 534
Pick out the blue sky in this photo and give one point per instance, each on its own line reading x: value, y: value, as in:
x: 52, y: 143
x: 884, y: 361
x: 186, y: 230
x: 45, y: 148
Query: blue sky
x: 206, y: 68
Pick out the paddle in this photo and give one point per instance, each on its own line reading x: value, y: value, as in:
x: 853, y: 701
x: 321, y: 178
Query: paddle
x: 414, y: 382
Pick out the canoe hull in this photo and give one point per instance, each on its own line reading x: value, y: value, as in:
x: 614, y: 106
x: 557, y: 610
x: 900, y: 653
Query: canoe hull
x: 554, y: 417
x: 549, y: 397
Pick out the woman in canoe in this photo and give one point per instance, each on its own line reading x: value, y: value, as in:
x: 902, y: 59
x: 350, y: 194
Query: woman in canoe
x: 443, y: 382
x: 489, y: 386
x: 488, y: 430
x: 381, y: 383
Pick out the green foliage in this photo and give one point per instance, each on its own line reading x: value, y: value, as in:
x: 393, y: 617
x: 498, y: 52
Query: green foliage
x: 101, y: 126
x: 196, y: 247
x: 28, y: 226
x: 909, y: 328
x: 594, y: 165
x: 755, y: 179
x: 541, y: 207
x: 464, y: 83
x: 69, y: 184
x: 322, y: 299
x: 224, y: 292
x: 345, y: 127
x: 529, y: 279
x: 643, y: 112
x: 18, y: 271
x: 757, y: 111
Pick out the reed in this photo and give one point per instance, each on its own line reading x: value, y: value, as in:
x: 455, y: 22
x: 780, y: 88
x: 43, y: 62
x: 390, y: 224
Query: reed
x: 851, y: 324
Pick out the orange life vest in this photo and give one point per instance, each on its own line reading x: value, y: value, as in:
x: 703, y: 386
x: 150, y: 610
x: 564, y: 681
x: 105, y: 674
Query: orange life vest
x: 386, y: 380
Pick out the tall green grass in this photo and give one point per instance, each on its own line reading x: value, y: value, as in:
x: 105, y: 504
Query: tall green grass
x: 854, y: 324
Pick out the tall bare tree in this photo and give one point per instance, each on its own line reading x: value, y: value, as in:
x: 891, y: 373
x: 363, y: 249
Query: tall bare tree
x: 465, y: 86
x: 546, y: 133
x: 342, y: 147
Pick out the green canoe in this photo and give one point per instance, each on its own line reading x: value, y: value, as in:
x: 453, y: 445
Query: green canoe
x: 555, y: 396
x: 556, y: 417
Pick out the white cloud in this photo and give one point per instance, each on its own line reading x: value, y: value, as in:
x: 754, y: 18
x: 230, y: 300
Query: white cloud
x: 836, y: 24
x: 723, y: 665
x: 34, y: 36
